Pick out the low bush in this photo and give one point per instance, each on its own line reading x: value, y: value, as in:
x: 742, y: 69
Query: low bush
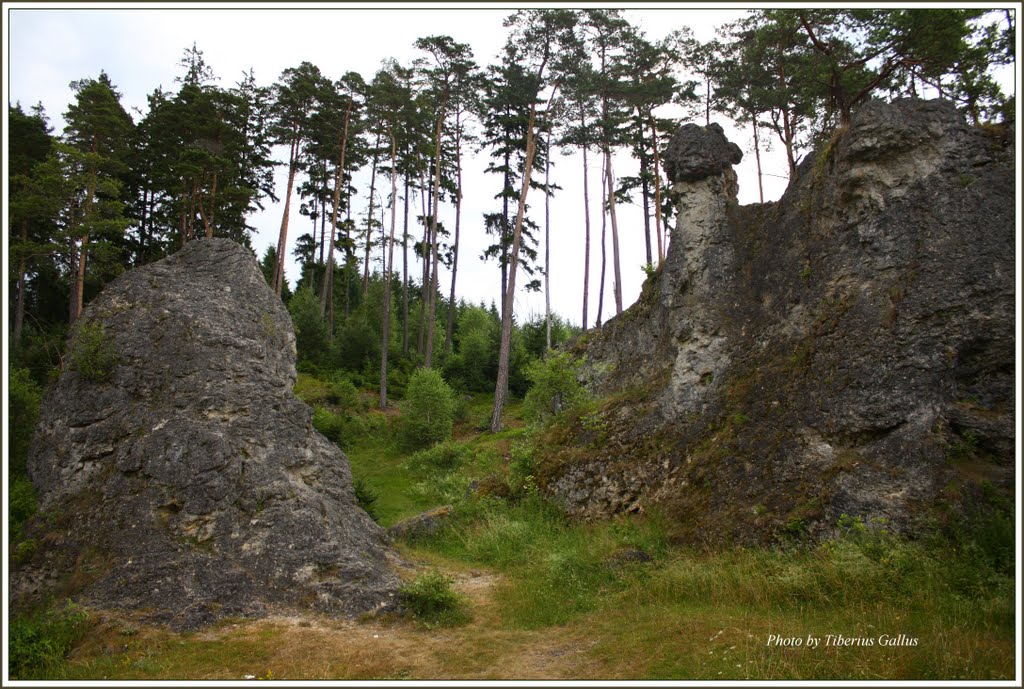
x: 366, y: 497
x: 341, y: 429
x: 428, y: 410
x: 21, y: 505
x: 92, y: 353
x: 432, y: 600
x: 38, y: 643
x: 441, y: 458
x: 23, y: 397
x: 345, y: 395
x: 554, y: 386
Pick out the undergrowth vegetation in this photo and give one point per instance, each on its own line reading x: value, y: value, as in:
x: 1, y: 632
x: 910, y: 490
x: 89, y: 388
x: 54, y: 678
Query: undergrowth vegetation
x: 638, y: 603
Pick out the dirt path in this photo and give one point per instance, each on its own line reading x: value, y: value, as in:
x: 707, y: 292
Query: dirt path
x: 313, y: 646
x: 481, y: 649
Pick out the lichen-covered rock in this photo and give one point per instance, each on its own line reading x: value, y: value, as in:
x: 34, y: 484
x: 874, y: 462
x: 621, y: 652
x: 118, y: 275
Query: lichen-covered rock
x: 190, y: 484
x: 848, y: 349
x: 424, y: 524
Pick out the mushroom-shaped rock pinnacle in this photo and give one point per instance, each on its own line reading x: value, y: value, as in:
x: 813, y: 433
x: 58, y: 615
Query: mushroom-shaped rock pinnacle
x: 697, y: 152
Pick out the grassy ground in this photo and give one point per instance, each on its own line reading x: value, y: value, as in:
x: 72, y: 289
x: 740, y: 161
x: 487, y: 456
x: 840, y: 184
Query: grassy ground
x: 549, y: 599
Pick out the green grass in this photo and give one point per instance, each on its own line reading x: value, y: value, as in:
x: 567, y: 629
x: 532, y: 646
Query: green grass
x: 609, y: 599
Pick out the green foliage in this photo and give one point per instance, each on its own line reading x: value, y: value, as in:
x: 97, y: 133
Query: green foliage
x: 432, y: 600
x: 343, y: 393
x: 441, y: 458
x: 24, y: 396
x: 310, y: 332
x: 366, y: 497
x: 475, y: 361
x: 522, y: 469
x: 343, y: 429
x: 92, y: 353
x: 38, y: 643
x: 873, y: 538
x: 21, y: 506
x: 555, y: 386
x: 438, y: 470
x: 428, y: 410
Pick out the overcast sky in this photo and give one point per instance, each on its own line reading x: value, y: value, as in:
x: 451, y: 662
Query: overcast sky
x: 140, y: 49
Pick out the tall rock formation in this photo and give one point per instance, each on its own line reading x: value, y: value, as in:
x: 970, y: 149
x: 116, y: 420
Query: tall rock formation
x: 187, y: 481
x: 846, y: 350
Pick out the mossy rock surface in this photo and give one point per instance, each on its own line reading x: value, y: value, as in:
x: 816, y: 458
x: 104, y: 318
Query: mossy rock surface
x: 848, y: 349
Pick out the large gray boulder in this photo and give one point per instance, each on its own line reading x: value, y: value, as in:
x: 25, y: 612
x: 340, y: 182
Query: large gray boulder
x: 848, y: 349
x: 190, y: 484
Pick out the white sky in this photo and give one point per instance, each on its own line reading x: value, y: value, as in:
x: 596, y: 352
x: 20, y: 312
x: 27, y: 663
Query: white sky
x: 52, y: 45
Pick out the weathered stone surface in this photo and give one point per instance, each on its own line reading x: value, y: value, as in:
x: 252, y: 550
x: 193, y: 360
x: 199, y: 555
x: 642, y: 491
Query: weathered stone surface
x: 192, y: 483
x: 424, y: 524
x: 840, y: 351
x: 697, y: 152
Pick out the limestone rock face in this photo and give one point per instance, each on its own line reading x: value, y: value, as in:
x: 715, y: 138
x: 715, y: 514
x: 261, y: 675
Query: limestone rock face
x: 847, y: 349
x: 191, y: 484
x: 697, y: 152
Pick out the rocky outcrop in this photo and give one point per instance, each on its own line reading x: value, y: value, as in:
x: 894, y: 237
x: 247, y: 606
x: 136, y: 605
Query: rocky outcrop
x: 848, y: 349
x: 189, y: 483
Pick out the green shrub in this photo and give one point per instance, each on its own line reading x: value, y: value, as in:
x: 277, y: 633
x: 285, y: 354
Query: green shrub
x: 23, y: 398
x: 428, y: 410
x: 432, y: 600
x: 522, y: 469
x: 39, y: 642
x: 21, y: 504
x: 310, y: 331
x: 365, y: 497
x: 441, y: 458
x: 554, y: 388
x: 92, y: 353
x: 341, y: 429
x: 475, y: 362
x: 344, y: 394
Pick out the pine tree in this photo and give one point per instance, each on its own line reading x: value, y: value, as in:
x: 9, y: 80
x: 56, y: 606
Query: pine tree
x: 295, y: 100
x: 30, y: 205
x: 98, y: 127
x: 539, y: 37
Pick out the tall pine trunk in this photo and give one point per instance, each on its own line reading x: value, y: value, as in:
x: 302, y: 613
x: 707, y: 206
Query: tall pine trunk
x: 586, y: 241
x: 369, y: 219
x: 282, y: 241
x: 350, y: 257
x: 604, y: 244
x: 386, y: 321
x: 405, y: 269
x: 757, y: 155
x: 658, y: 222
x: 83, y: 251
x: 339, y: 175
x: 645, y: 187
x: 504, y: 229
x: 433, y: 231
x: 455, y: 246
x: 508, y: 298
x: 547, y: 242
x: 425, y: 270
x: 616, y: 270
